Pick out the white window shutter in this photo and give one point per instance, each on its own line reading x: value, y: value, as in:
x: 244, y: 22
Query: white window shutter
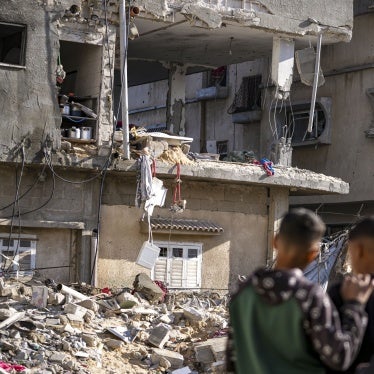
x: 181, y: 268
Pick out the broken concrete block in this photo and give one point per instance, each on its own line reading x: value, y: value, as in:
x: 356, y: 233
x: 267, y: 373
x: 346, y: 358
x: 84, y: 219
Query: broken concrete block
x: 7, y: 290
x: 113, y: 343
x: 75, y: 309
x: 144, y: 284
x: 39, y: 296
x: 164, y: 363
x: 110, y: 305
x: 126, y: 300
x: 159, y: 336
x: 89, y: 304
x: 204, y: 354
x: 52, y: 321
x: 57, y: 357
x: 193, y: 314
x: 89, y: 316
x: 75, y: 320
x: 185, y: 370
x: 90, y: 339
x: 212, y: 350
x: 175, y: 358
x: 167, y: 318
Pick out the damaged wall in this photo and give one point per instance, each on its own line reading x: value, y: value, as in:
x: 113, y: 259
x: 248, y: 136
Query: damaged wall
x: 28, y: 104
x: 349, y: 156
x: 238, y: 209
x: 59, y: 214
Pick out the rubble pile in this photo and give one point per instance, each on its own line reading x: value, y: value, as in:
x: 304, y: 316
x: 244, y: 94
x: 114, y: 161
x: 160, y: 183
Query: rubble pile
x: 49, y: 328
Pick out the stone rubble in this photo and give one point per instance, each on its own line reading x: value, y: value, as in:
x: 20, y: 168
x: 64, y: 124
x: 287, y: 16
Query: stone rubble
x: 121, y: 331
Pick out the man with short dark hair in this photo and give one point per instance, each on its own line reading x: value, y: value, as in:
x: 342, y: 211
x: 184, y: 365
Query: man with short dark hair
x: 361, y: 253
x: 281, y: 323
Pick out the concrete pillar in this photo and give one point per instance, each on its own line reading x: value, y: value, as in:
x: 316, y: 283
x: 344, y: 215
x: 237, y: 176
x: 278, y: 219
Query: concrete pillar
x: 282, y: 65
x: 278, y: 205
x: 176, y: 99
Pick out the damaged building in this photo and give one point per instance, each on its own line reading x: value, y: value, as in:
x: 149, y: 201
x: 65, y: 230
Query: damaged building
x: 205, y: 79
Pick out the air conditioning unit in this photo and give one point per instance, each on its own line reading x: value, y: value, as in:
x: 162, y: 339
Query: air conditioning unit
x: 296, y: 119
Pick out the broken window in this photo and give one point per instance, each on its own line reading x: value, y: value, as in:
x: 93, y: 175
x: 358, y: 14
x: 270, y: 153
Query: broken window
x: 79, y: 81
x: 179, y: 265
x: 12, y: 44
x: 292, y: 122
x: 17, y: 255
x: 248, y: 97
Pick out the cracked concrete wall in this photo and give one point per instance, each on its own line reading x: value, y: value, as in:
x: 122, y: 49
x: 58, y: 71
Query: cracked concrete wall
x: 238, y: 209
x: 28, y: 102
x: 350, y: 154
x: 288, y: 16
x: 55, y: 211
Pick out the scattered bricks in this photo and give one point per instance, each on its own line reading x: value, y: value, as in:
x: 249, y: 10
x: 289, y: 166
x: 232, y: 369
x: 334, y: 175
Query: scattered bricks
x: 90, y: 305
x: 144, y: 284
x: 113, y: 343
x: 90, y: 339
x: 175, y: 359
x: 126, y: 300
x: 159, y: 336
x: 193, y: 314
x: 73, y: 309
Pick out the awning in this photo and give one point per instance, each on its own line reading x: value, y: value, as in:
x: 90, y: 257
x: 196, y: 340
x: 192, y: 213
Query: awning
x: 183, y: 226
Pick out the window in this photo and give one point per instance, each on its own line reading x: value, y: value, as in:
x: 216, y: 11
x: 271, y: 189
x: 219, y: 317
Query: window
x: 17, y: 254
x: 292, y: 122
x: 12, y: 44
x: 179, y: 265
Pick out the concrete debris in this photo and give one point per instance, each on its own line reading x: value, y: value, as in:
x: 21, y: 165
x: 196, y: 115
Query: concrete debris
x: 118, y: 331
x: 147, y: 287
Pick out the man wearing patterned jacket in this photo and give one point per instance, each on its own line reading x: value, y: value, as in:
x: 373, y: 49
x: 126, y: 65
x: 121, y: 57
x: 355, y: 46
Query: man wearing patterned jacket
x: 282, y: 323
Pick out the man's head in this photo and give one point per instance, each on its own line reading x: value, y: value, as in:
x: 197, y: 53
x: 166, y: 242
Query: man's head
x: 298, y: 239
x: 361, y: 246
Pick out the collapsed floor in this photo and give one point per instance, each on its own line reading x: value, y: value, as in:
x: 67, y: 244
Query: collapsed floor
x: 49, y: 328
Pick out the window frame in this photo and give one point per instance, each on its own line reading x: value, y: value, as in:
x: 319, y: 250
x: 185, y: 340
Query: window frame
x: 170, y: 246
x: 17, y: 239
x: 22, y: 64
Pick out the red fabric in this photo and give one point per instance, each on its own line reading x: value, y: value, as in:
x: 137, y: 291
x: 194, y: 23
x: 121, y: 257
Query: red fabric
x: 106, y: 290
x: 10, y: 367
x: 163, y: 288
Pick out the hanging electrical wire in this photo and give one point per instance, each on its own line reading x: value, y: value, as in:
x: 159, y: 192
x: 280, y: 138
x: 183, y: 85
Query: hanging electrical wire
x: 98, y: 226
x: 16, y: 199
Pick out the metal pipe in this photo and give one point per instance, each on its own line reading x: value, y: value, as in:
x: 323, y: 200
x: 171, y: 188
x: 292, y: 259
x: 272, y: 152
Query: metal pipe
x: 124, y: 83
x: 315, y: 83
x: 69, y: 291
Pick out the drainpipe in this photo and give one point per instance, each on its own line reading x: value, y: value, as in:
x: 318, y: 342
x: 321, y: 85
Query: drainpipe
x: 124, y: 83
x: 315, y: 83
